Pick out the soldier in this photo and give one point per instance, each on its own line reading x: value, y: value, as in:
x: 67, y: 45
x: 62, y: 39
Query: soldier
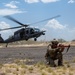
x: 54, y: 52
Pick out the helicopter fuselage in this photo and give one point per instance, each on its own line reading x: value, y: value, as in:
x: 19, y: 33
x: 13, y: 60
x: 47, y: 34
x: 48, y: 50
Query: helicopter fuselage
x: 25, y: 34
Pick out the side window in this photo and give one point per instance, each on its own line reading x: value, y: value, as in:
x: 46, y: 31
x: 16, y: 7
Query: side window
x: 31, y: 31
x: 27, y: 32
x: 22, y: 34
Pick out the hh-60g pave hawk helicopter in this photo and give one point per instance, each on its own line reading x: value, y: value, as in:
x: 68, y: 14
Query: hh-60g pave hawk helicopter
x: 25, y: 32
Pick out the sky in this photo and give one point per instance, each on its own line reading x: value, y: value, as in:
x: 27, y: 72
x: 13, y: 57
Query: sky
x: 31, y: 11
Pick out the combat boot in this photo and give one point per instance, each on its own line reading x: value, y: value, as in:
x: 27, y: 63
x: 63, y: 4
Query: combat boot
x: 60, y: 63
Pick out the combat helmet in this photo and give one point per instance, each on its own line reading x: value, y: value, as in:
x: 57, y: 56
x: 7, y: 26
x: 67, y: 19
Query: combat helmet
x: 54, y: 41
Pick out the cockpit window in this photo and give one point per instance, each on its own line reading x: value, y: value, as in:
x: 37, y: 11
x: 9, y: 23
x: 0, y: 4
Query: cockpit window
x: 31, y: 31
x: 37, y: 30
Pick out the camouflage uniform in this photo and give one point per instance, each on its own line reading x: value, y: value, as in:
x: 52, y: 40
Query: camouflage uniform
x: 54, y: 53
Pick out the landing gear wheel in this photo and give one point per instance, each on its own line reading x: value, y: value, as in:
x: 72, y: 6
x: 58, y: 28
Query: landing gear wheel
x: 35, y: 39
x: 26, y: 39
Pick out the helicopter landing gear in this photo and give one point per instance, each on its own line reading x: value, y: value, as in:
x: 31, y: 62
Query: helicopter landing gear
x: 35, y: 39
x: 26, y: 39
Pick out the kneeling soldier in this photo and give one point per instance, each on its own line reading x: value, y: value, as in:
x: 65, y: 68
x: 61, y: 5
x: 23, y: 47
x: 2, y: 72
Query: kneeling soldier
x: 54, y: 52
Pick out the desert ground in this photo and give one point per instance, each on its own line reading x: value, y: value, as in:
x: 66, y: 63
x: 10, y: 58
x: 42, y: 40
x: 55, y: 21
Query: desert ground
x: 33, y: 57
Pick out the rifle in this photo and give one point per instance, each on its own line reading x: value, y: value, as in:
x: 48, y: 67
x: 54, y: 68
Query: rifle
x: 63, y: 46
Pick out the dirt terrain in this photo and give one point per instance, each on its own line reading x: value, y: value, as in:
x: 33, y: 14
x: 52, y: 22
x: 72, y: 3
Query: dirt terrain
x: 36, y: 54
x: 31, y: 61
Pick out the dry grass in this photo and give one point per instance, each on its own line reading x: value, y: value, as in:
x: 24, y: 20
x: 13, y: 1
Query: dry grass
x: 20, y: 68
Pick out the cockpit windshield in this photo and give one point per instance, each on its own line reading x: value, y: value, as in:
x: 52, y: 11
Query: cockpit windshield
x: 36, y: 30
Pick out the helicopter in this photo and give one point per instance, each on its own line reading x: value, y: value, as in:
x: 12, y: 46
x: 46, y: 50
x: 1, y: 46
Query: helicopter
x: 26, y: 32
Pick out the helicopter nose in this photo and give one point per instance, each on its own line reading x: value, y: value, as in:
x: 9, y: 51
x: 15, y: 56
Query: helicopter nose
x: 43, y: 32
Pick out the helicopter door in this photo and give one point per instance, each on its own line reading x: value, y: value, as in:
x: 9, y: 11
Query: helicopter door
x: 22, y: 34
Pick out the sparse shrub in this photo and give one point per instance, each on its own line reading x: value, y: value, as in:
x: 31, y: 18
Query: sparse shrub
x: 66, y: 62
x: 64, y: 68
x: 49, y: 70
x: 8, y: 70
x: 12, y: 65
x: 23, y: 66
x: 2, y: 74
x: 16, y: 73
x: 63, y: 72
x: 53, y: 73
x: 17, y: 69
x: 42, y: 67
x: 31, y: 69
x: 43, y: 73
x: 73, y: 60
x: 39, y: 64
x: 17, y: 61
x: 23, y: 71
x: 1, y: 65
x: 68, y: 65
x: 70, y: 73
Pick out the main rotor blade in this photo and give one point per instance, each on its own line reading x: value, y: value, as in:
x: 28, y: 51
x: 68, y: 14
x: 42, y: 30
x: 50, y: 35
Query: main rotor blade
x: 11, y: 28
x: 10, y: 18
x: 45, y: 19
